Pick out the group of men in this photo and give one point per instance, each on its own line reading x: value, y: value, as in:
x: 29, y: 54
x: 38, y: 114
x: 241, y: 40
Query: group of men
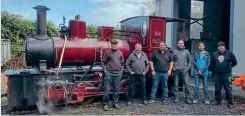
x: 162, y: 64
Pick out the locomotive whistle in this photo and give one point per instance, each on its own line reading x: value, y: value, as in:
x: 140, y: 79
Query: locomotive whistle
x: 61, y: 59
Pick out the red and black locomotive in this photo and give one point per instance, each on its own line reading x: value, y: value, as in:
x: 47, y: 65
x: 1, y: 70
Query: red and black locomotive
x: 68, y: 68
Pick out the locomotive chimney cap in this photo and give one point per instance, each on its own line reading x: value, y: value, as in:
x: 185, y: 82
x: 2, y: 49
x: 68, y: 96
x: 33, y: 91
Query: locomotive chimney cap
x: 114, y: 42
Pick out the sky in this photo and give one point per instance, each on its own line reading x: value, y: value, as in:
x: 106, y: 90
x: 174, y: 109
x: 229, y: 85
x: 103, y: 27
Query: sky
x: 96, y: 12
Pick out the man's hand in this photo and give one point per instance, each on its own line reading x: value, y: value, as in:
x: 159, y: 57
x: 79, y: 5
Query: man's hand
x: 153, y: 73
x: 169, y: 73
x: 200, y: 72
x: 131, y: 73
x: 143, y: 73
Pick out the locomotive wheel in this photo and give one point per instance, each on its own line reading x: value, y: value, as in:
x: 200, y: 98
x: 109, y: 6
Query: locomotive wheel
x: 125, y: 85
x: 88, y: 100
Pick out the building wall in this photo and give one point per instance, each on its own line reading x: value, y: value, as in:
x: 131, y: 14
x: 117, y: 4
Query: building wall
x: 237, y: 36
x: 165, y: 8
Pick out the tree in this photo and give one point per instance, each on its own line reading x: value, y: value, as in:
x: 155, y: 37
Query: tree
x: 92, y: 31
x: 14, y: 27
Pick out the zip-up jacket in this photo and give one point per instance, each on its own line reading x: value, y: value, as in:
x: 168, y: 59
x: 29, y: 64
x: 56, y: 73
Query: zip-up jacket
x: 223, y: 62
x: 201, y: 63
x: 137, y: 64
x: 182, y: 59
x: 113, y: 60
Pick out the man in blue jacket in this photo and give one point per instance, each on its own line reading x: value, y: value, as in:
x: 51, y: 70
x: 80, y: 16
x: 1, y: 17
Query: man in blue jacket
x: 201, y: 63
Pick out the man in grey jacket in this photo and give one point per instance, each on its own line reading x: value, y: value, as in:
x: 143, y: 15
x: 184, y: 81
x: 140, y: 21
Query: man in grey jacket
x: 138, y: 65
x: 113, y: 67
x: 182, y: 65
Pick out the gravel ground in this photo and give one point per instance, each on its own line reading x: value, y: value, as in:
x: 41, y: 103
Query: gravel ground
x: 168, y: 108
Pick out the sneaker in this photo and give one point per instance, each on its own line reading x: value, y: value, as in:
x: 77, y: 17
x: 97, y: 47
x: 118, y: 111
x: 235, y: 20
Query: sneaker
x: 129, y: 103
x: 176, y: 100
x: 216, y: 102
x: 151, y: 101
x: 194, y: 101
x: 145, y: 102
x: 106, y: 107
x: 164, y: 99
x: 188, y: 101
x: 117, y: 106
x: 207, y: 102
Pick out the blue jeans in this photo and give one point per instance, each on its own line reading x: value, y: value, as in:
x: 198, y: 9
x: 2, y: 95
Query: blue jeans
x: 163, y: 77
x: 205, y: 86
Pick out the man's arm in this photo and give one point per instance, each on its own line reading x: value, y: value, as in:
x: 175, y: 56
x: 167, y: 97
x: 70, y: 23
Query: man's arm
x: 195, y: 63
x: 234, y: 60
x: 151, y: 61
x: 122, y: 61
x: 105, y: 60
x: 147, y: 64
x: 189, y: 60
x: 208, y: 63
x: 171, y: 63
x: 128, y: 62
x: 212, y: 63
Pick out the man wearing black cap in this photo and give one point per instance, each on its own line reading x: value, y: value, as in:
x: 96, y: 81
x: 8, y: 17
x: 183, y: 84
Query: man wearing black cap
x: 113, y: 67
x: 222, y: 62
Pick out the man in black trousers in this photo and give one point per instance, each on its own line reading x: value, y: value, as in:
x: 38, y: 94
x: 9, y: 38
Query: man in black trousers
x: 222, y: 62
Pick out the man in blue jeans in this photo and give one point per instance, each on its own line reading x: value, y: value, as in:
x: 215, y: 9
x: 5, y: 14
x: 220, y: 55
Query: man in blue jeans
x: 201, y: 63
x: 161, y: 64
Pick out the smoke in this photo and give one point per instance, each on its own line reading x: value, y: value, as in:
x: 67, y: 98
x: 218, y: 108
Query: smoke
x: 42, y: 106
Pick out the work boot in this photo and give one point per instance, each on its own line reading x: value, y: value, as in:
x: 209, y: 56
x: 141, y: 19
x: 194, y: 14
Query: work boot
x: 117, y: 106
x: 129, y: 103
x: 230, y: 106
x: 176, y: 100
x: 216, y: 102
x: 106, y: 108
x: 145, y: 102
x: 188, y: 101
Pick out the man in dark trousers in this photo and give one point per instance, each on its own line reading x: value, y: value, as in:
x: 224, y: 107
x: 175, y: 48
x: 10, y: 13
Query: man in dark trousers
x: 138, y: 65
x: 113, y: 67
x: 222, y: 62
x: 182, y: 65
x: 161, y: 64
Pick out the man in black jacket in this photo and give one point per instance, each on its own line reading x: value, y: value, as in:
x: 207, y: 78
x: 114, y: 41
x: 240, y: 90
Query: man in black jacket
x: 222, y: 62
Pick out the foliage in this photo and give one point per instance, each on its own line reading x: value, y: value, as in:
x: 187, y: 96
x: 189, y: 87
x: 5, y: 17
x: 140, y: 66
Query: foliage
x: 92, y: 31
x: 16, y: 28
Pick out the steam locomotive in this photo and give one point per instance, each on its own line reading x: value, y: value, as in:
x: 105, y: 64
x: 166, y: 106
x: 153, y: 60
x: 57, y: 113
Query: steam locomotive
x: 67, y: 69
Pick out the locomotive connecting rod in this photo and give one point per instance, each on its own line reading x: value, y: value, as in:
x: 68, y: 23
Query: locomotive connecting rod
x: 61, y: 58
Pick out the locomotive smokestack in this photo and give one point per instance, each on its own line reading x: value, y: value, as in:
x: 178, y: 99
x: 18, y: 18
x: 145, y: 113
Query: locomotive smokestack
x: 41, y: 20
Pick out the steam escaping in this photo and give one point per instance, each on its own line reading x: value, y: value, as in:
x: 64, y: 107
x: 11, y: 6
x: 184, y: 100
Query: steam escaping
x: 42, y: 106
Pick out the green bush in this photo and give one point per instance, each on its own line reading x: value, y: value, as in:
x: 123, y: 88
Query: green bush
x: 14, y: 27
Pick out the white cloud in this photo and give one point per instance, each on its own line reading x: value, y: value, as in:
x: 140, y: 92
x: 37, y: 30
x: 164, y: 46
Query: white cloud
x: 111, y: 12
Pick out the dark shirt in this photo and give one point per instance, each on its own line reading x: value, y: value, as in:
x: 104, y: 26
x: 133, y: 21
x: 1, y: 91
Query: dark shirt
x: 113, y: 60
x: 161, y: 61
x: 223, y: 62
x: 137, y: 64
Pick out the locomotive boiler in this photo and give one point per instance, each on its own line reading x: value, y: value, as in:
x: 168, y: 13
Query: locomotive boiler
x: 80, y: 77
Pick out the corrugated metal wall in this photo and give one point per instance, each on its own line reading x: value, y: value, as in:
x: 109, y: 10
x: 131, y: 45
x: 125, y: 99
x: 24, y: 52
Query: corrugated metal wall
x: 5, y: 51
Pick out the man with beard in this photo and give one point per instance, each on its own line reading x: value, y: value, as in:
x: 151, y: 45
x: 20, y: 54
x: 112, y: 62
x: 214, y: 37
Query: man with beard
x: 182, y: 65
x: 138, y: 65
x: 161, y: 64
x: 222, y: 62
x: 113, y: 67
